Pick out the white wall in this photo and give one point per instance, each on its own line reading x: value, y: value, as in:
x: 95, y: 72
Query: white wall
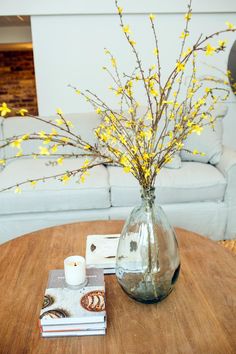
x: 68, y: 49
x: 56, y: 7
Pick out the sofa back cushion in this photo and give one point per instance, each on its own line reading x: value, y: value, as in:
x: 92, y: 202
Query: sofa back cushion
x: 83, y: 124
x: 209, y: 141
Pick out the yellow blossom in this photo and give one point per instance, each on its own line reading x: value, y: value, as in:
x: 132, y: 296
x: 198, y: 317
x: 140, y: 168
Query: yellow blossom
x: 127, y: 169
x: 60, y: 160
x: 64, y: 139
x: 2, y: 162
x: 4, y: 109
x: 126, y: 29
x: 120, y: 10
x: 180, y: 66
x: 134, y: 149
x: 188, y: 16
x: 82, y: 178
x: 86, y: 163
x: 147, y: 173
x: 154, y: 92
x: 59, y: 121
x: 42, y: 134
x: 179, y: 145
x: 53, y: 132
x: 54, y: 148
x: 229, y: 25
x: 168, y: 158
x: 149, y: 115
x: 222, y: 43
x: 65, y: 178
x: 122, y: 139
x: 59, y: 111
x: 18, y: 190
x: 25, y: 137
x: 33, y: 183
x: 44, y: 150
x: 179, y: 127
x: 47, y: 141
x: 98, y: 110
x: 152, y: 17
x: 69, y: 123
x: 207, y: 90
x: 149, y: 134
x: 78, y: 92
x: 187, y: 52
x: 16, y: 143
x: 132, y: 42
x: 22, y: 111
x: 155, y: 51
x: 145, y: 156
x: 20, y: 153
x: 119, y: 91
x: 113, y: 62
x: 124, y: 160
x: 184, y: 35
x: 197, y: 129
x: 209, y: 49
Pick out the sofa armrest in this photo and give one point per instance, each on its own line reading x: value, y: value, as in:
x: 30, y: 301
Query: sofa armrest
x: 227, y: 162
x: 227, y: 166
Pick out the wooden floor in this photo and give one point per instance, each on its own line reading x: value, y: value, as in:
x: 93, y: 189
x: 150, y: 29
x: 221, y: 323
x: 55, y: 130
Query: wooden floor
x: 229, y: 244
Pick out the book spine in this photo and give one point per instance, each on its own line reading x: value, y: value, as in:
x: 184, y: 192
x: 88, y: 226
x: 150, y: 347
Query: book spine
x: 74, y: 333
x: 78, y: 327
x: 72, y: 321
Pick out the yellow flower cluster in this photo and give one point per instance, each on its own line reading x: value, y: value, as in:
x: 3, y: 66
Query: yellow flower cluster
x: 140, y: 141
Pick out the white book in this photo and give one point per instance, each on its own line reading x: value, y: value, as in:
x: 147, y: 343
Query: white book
x: 63, y: 305
x: 74, y: 333
x: 74, y: 327
x: 101, y: 251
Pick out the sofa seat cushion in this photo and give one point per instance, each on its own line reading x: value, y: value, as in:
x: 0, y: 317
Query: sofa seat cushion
x: 193, y: 182
x: 52, y: 195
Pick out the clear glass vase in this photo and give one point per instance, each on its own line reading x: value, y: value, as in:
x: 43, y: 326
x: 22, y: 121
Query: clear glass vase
x: 147, y: 262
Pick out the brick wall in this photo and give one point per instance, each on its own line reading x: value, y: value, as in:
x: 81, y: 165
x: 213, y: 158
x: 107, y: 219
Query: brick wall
x: 17, y: 80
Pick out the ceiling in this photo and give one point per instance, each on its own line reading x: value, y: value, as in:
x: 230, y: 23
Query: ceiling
x: 7, y: 21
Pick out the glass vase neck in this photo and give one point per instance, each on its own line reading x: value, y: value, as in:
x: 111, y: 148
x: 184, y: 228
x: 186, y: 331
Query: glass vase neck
x: 148, y: 195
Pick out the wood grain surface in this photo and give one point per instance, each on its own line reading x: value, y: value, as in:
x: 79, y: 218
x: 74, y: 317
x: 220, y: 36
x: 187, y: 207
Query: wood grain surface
x: 199, y: 316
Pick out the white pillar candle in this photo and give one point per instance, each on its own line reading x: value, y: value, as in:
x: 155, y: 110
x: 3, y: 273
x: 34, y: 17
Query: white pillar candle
x: 74, y: 267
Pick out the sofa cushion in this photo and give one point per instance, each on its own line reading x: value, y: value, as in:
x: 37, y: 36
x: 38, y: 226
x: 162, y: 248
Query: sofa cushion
x: 193, y: 182
x: 209, y: 141
x: 52, y: 195
x: 83, y: 124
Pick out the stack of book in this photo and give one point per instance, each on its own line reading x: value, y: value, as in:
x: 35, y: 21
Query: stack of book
x: 70, y: 311
x: 101, y: 252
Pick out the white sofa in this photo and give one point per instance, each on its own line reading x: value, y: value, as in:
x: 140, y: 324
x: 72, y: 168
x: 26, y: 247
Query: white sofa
x: 200, y: 195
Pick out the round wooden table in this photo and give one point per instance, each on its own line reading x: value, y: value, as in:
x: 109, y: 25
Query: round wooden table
x: 199, y: 316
